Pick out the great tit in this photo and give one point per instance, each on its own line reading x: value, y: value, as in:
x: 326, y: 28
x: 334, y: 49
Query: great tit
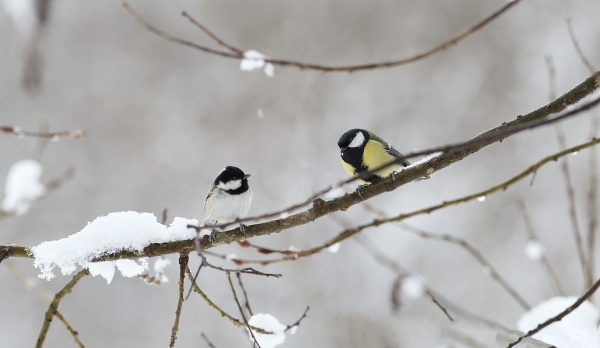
x: 229, y: 199
x: 362, y: 151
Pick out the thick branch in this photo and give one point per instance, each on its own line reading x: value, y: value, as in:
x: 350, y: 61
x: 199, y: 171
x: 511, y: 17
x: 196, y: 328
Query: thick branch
x: 320, y: 208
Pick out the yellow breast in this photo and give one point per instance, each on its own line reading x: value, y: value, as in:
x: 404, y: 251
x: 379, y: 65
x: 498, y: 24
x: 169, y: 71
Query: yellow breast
x: 375, y: 156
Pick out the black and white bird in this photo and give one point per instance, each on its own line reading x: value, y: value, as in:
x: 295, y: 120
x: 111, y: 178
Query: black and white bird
x: 229, y: 199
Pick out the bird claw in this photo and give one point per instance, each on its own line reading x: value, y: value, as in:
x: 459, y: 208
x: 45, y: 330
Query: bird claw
x: 213, y: 236
x: 393, y: 176
x: 243, y: 228
x: 359, y: 191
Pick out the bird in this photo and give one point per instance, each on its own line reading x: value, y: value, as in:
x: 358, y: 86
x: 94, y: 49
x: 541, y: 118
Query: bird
x: 229, y: 198
x: 363, y: 151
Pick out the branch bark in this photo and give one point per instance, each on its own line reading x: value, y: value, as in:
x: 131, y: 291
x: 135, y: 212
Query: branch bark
x: 320, y: 208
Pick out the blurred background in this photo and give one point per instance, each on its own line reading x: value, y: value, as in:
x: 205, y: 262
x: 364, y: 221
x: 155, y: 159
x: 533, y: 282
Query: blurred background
x: 163, y: 119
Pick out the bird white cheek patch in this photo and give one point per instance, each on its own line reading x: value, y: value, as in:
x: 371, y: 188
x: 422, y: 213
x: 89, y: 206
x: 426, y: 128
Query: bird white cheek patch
x: 358, y: 140
x: 231, y: 185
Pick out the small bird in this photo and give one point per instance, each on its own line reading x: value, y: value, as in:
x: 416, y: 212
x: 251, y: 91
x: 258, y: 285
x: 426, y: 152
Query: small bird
x: 229, y: 199
x: 363, y: 151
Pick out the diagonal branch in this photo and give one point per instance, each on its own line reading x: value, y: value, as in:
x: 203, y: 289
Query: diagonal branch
x: 74, y: 333
x: 237, y: 53
x: 450, y: 155
x: 559, y: 316
x: 54, y: 305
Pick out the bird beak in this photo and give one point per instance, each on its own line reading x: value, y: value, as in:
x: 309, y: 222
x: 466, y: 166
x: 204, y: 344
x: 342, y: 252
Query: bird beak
x: 343, y: 149
x: 246, y: 176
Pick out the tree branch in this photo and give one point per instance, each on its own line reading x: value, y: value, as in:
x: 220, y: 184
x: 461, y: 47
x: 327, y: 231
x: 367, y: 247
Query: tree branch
x: 561, y: 315
x: 450, y: 155
x: 237, y: 53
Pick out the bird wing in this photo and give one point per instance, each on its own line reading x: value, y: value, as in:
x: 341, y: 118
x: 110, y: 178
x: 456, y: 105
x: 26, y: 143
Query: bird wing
x: 389, y: 149
x: 208, y: 196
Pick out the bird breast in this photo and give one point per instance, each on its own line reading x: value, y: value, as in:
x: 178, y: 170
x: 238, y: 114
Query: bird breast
x: 226, y: 207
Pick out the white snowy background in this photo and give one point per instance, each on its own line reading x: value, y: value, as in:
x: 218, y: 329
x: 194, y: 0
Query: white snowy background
x: 163, y: 120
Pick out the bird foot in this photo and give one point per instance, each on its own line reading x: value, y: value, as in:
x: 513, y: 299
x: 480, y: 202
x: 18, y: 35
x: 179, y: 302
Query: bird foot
x: 213, y: 236
x: 359, y: 191
x: 243, y: 228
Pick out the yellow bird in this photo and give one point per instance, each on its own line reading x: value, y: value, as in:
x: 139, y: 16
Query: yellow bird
x: 363, y: 151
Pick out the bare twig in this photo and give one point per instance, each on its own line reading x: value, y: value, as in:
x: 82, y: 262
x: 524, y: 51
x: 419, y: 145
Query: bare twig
x: 573, y: 209
x: 54, y: 136
x: 439, y: 305
x: 532, y: 237
x: 560, y: 134
x: 246, y: 270
x: 74, y: 333
x: 29, y: 282
x: 585, y: 61
x: 54, y: 305
x: 210, y: 345
x: 592, y: 200
x: 297, y: 323
x: 240, y: 308
x: 212, y: 35
x: 386, y: 261
x: 488, y: 268
x: 233, y: 320
x: 237, y: 53
x: 247, y: 302
x: 183, y: 261
x: 561, y: 315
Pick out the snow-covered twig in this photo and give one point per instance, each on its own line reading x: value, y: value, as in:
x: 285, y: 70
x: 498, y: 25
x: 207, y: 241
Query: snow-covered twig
x: 559, y: 316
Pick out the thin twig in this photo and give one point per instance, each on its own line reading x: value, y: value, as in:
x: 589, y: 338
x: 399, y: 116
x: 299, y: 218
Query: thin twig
x: 233, y: 320
x: 210, y: 345
x: 29, y: 282
x: 582, y: 56
x: 592, y: 200
x: 74, y: 333
x: 559, y: 316
x: 386, y: 261
x: 297, y: 323
x: 573, y: 209
x: 247, y: 301
x: 54, y: 305
x: 488, y: 268
x: 532, y: 237
x: 55, y: 136
x: 439, y: 305
x: 240, y: 308
x: 212, y: 35
x: 236, y: 53
x: 560, y: 134
x: 246, y: 270
x: 183, y: 261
